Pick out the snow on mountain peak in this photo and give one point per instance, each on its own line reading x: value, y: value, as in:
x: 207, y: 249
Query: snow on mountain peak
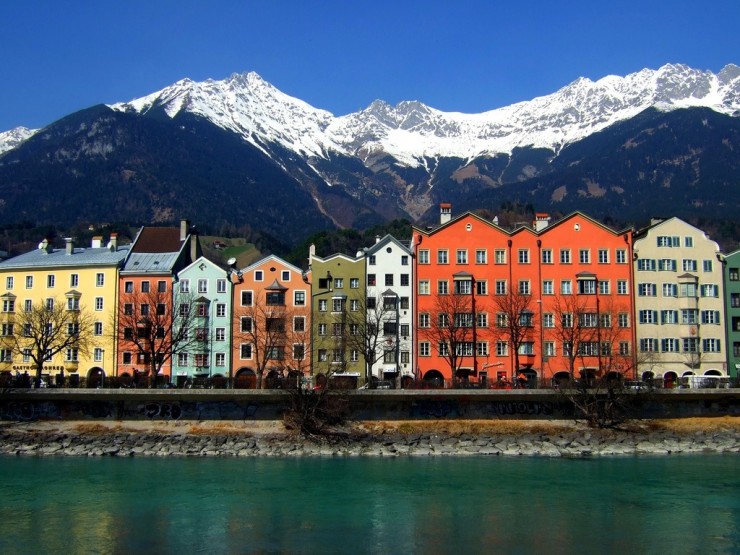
x: 411, y: 131
x: 11, y: 139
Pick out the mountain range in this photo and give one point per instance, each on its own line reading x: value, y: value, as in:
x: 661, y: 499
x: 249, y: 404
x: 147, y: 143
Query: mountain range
x: 241, y: 152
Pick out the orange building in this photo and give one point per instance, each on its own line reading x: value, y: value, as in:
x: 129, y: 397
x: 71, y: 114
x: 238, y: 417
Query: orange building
x: 271, y: 328
x: 500, y: 308
x: 145, y: 316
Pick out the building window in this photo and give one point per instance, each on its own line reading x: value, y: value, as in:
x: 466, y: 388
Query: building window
x: 501, y: 287
x: 688, y: 265
x: 547, y: 256
x: 648, y: 316
x: 711, y: 345
x: 98, y: 328
x: 481, y: 287
x: 162, y: 286
x: 734, y: 275
x: 670, y: 290
x: 259, y: 275
x: 523, y: 256
x: 371, y: 260
x: 388, y: 280
x: 424, y: 349
x: 462, y: 256
x: 709, y: 290
x: 442, y: 257
x: 220, y: 334
x: 604, y: 287
x: 586, y: 286
x: 670, y: 345
x: 371, y: 280
x: 246, y: 298
x: 202, y: 286
x: 128, y: 287
x: 354, y: 283
x: 98, y: 303
x: 499, y: 256
x: 584, y: 256
x: 424, y: 287
x: 245, y: 351
x: 646, y: 265
x: 646, y: 290
x: 299, y: 298
x: 338, y: 283
x: 221, y: 286
x: 405, y: 280
x: 220, y: 310
x: 524, y: 287
x: 690, y: 345
x: 99, y: 279
x: 50, y: 280
x: 321, y: 355
x: 73, y: 303
x: 72, y: 355
x: 299, y: 323
x: 688, y: 242
x: 666, y: 265
x: 404, y: 260
x: 480, y: 256
x: 98, y: 354
x: 565, y: 256
x: 687, y: 290
x: 463, y: 286
x: 185, y: 286
x: 548, y: 320
x: 549, y: 348
x: 424, y: 321
x: 622, y: 287
x: 442, y: 287
x: 482, y: 318
x: 9, y: 282
x: 29, y: 282
x: 603, y: 256
x: 323, y: 305
x: 424, y: 256
x: 623, y: 320
x: 710, y: 317
x: 668, y: 241
x: 246, y: 324
x: 502, y: 348
x: 648, y: 345
x: 566, y: 287
x: 337, y: 305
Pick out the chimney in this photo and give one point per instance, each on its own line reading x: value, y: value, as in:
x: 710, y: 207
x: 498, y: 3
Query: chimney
x: 377, y: 239
x: 184, y: 226
x: 97, y: 242
x: 656, y: 220
x: 541, y: 221
x: 68, y: 245
x: 194, y: 245
x: 46, y: 246
x: 113, y: 243
x: 445, y: 212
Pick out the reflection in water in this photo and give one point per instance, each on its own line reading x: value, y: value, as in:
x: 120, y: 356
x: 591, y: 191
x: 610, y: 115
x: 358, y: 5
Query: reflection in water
x: 413, y: 505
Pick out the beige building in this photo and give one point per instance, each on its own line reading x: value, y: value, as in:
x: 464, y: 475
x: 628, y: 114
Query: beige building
x: 679, y: 302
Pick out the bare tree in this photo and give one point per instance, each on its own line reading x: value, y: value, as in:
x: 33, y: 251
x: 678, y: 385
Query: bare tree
x: 270, y: 327
x: 451, y: 329
x: 515, y: 320
x: 576, y: 328
x: 50, y: 328
x: 372, y: 326
x: 157, y: 326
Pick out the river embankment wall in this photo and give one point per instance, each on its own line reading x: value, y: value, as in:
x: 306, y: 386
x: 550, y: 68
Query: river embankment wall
x: 360, y: 405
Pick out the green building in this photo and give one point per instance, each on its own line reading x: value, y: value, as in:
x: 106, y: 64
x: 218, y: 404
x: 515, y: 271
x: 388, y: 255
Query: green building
x: 732, y: 303
x: 337, y: 307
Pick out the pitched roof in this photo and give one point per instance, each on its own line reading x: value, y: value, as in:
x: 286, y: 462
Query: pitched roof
x: 39, y: 258
x: 157, y: 240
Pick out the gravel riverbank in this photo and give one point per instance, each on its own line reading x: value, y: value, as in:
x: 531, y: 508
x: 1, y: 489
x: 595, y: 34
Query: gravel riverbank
x: 429, y: 438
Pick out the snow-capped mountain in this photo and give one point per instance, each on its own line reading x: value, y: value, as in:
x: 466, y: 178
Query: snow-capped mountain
x: 239, y: 152
x: 14, y: 137
x: 412, y: 131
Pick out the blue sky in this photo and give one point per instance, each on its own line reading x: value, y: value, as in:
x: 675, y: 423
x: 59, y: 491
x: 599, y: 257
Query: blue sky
x: 467, y: 56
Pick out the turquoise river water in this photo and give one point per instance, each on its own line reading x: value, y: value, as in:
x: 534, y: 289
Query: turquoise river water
x: 667, y: 505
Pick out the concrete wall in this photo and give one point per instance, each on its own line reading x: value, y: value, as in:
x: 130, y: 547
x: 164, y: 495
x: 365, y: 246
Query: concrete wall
x: 164, y: 405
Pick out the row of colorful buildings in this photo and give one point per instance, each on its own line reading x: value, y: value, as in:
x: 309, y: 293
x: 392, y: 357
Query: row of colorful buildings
x: 465, y: 301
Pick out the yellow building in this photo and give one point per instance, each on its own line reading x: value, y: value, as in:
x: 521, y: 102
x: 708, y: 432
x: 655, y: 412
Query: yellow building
x: 85, y: 280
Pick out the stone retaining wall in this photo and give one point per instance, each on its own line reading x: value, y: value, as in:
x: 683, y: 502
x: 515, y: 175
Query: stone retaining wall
x: 581, y: 443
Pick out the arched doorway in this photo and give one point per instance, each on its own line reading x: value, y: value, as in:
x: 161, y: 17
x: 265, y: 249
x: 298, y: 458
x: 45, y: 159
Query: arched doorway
x: 713, y: 372
x: 218, y: 381
x: 561, y: 379
x: 434, y: 379
x: 613, y: 379
x: 295, y: 377
x: 125, y: 379
x: 96, y: 377
x: 245, y: 378
x: 407, y: 382
x: 670, y: 379
x: 273, y: 379
x: 648, y: 376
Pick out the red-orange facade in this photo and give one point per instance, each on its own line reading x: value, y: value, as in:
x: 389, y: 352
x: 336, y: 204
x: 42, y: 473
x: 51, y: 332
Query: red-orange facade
x: 271, y: 327
x: 566, y: 287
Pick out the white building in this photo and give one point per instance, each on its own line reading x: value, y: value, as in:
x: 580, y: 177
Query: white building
x: 389, y: 269
x: 679, y: 302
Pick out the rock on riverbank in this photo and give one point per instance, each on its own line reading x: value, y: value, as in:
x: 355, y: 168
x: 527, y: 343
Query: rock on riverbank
x: 428, y: 438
